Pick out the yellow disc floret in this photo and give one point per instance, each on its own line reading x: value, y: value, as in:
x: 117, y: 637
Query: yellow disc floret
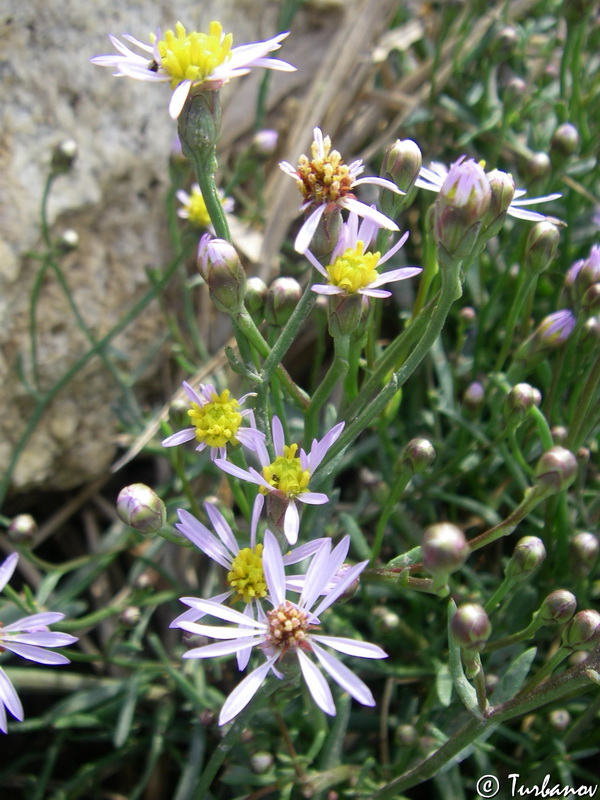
x: 354, y: 269
x: 193, y: 56
x: 196, y: 209
x: 286, y: 473
x: 323, y: 179
x: 217, y: 422
x: 246, y: 576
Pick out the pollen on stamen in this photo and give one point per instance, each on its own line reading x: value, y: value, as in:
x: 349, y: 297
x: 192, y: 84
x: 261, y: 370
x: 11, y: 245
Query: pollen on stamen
x: 286, y: 475
x: 247, y: 577
x: 288, y: 625
x: 217, y: 422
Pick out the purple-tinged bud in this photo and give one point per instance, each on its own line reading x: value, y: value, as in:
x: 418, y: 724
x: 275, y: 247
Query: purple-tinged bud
x: 22, y: 528
x: 460, y: 208
x: 555, y: 329
x: 583, y: 456
x: 583, y: 550
x: 406, y: 735
x: 402, y: 162
x: 571, y: 282
x: 590, y: 334
x: 345, y: 313
x: 590, y: 269
x: 418, y: 455
x: 502, y: 187
x: 282, y: 298
x: 505, y: 41
x: 559, y: 719
x: 556, y: 469
x: 444, y: 549
x: 207, y: 718
x: 583, y: 631
x: 261, y: 762
x: 130, y: 616
x: 264, y: 143
x: 527, y: 556
x: 514, y: 91
x: 64, y: 155
x: 558, y: 607
x: 541, y: 247
x: 471, y: 627
x: 538, y: 165
x: 521, y: 399
x: 566, y: 139
x: 559, y: 434
x: 467, y: 314
x: 221, y: 268
x: 141, y: 508
x: 474, y: 396
x: 327, y: 234
x: 255, y: 298
x: 590, y: 302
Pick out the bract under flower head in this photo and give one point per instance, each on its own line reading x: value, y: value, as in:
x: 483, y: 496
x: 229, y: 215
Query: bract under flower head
x: 194, y: 208
x: 28, y: 638
x: 352, y: 270
x: 326, y: 182
x: 217, y: 422
x: 432, y: 178
x: 287, y: 477
x: 191, y: 61
x: 289, y: 630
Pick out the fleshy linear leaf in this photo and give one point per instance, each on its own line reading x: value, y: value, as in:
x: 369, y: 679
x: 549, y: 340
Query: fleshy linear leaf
x: 514, y: 677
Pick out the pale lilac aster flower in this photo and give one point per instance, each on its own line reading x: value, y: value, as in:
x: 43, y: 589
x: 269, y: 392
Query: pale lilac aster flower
x: 27, y: 637
x: 217, y: 422
x: 433, y: 177
x: 286, y: 631
x: 193, y: 207
x: 326, y: 182
x: 352, y: 270
x: 191, y: 61
x: 288, y: 476
x: 556, y: 328
x: 244, y: 565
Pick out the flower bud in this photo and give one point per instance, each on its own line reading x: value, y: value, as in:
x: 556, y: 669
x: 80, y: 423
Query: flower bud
x: 64, y: 155
x: 474, y: 396
x: 583, y: 456
x: 583, y: 550
x: 502, y: 187
x: 327, y: 234
x: 559, y: 719
x: 541, y: 247
x: 461, y: 205
x: 559, y: 607
x: 471, y: 627
x: 141, y: 508
x: 514, y: 91
x: 67, y: 241
x: 255, y: 298
x: 130, y: 616
x: 556, y: 469
x: 590, y: 334
x: 583, y: 631
x: 521, y: 399
x: 418, y: 455
x: 555, y: 329
x: 505, y: 41
x: 22, y: 528
x: 221, y: 268
x: 199, y: 125
x: 264, y: 143
x: 527, y: 556
x: 538, y: 165
x: 467, y: 314
x: 590, y: 302
x: 444, y: 549
x: 559, y: 434
x: 401, y: 163
x: 406, y: 735
x: 566, y: 139
x: 388, y: 619
x: 282, y: 298
x: 590, y: 268
x: 261, y: 762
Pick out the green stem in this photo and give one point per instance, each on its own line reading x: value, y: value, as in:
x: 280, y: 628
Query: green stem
x: 396, y: 490
x: 335, y: 373
x: 526, y: 282
x: 581, y: 416
x: 288, y: 333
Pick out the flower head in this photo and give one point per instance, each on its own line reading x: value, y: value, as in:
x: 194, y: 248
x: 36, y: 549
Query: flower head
x: 27, y: 637
x: 326, y: 183
x: 433, y: 177
x: 287, y: 477
x: 216, y: 422
x: 352, y: 270
x: 192, y: 61
x: 286, y: 631
x: 193, y: 206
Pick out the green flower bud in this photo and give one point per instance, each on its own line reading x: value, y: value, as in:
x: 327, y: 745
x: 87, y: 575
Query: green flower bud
x: 460, y: 208
x: 141, y: 508
x: 520, y: 400
x: 583, y: 550
x: 590, y: 334
x: 401, y: 163
x: 583, y: 456
x: 514, y: 91
x: 502, y: 187
x: 282, y: 298
x: 67, y: 241
x: 345, y: 313
x: 255, y: 298
x: 541, y: 247
x: 130, y: 616
x: 559, y: 719
x: 261, y: 762
x: 444, y: 549
x: 590, y: 302
x: 199, y: 125
x: 583, y: 631
x: 527, y: 556
x: 221, y: 268
x: 538, y: 165
x: 557, y: 468
x: 64, y: 155
x: 566, y: 139
x: 406, y: 735
x: 387, y: 619
x: 418, y: 455
x: 326, y: 235
x: 471, y: 627
x: 558, y: 607
x: 22, y: 528
x: 559, y: 434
